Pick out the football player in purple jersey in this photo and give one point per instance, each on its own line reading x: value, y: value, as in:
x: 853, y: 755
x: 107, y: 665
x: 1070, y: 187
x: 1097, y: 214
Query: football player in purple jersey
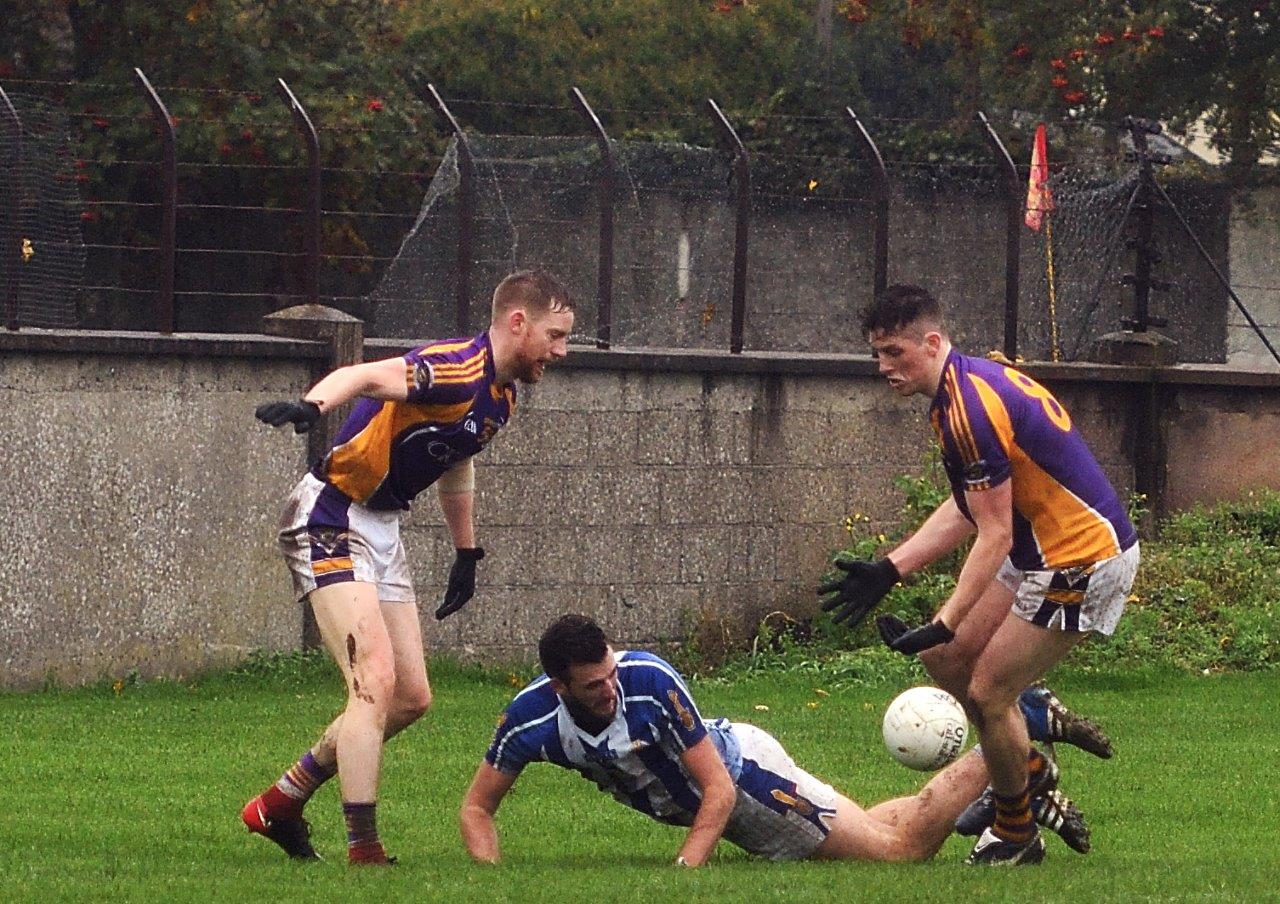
x: 417, y: 422
x: 1053, y: 557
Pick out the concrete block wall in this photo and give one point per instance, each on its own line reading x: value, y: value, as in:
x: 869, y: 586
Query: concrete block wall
x: 666, y: 492
x: 138, y: 503
x: 659, y: 501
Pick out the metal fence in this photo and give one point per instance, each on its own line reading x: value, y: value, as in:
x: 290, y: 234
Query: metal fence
x: 169, y: 241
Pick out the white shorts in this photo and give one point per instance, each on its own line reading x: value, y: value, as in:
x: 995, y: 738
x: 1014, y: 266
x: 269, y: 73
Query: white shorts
x: 783, y: 812
x: 1084, y: 598
x: 328, y: 539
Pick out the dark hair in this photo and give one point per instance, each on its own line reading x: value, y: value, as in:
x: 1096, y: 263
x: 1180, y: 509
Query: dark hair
x: 899, y: 306
x: 537, y: 291
x: 571, y: 640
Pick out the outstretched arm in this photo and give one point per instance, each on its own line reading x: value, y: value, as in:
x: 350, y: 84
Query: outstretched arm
x: 479, y: 834
x: 941, y: 533
x: 385, y: 379
x: 719, y: 795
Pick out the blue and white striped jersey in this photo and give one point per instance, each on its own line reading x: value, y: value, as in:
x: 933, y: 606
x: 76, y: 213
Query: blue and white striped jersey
x: 636, y: 758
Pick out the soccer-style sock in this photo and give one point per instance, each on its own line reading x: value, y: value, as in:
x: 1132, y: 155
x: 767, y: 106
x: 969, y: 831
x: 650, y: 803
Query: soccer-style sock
x: 363, y: 845
x: 1037, y: 765
x: 286, y: 798
x: 1014, y: 822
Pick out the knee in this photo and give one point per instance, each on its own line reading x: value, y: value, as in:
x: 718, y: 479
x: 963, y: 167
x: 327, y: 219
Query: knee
x: 986, y: 702
x: 412, y: 702
x: 373, y: 682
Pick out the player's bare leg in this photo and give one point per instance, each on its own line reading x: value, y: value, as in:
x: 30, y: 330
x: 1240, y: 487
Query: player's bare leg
x: 350, y: 620
x: 1017, y: 655
x: 951, y: 665
x: 349, y: 616
x: 906, y: 828
x: 412, y: 696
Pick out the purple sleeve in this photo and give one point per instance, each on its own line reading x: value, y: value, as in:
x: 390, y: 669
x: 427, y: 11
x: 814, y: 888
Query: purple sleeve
x: 972, y: 437
x: 442, y: 378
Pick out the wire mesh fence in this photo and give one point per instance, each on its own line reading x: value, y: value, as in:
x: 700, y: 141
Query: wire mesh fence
x: 392, y: 214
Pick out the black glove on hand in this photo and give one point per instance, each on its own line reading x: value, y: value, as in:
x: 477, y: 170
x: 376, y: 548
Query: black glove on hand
x: 863, y: 585
x: 462, y: 581
x: 909, y: 641
x: 302, y: 414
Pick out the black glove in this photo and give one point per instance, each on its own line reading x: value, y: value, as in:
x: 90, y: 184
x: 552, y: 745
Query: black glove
x: 302, y: 414
x: 462, y: 581
x: 863, y: 585
x: 909, y: 641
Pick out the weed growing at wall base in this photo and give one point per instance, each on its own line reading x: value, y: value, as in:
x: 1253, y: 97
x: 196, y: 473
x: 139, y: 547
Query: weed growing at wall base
x: 1205, y: 598
x: 1206, y: 595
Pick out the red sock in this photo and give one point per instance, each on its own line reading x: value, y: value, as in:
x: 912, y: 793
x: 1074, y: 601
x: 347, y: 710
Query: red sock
x: 367, y: 852
x: 280, y: 805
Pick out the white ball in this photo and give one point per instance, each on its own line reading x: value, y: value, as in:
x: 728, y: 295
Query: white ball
x: 925, y: 728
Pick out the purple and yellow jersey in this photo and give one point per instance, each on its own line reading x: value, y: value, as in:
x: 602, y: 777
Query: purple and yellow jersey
x: 388, y: 452
x: 996, y: 424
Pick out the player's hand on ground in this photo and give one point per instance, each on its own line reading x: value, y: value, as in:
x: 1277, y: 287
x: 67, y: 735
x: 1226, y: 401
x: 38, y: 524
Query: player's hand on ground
x: 902, y: 638
x: 856, y: 592
x: 462, y: 581
x: 302, y: 414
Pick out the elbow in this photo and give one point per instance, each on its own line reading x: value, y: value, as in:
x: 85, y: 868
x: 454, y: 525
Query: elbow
x: 998, y: 538
x: 725, y: 798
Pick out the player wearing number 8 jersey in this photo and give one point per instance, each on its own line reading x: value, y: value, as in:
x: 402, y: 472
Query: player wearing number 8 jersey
x: 995, y: 423
x: 1053, y: 557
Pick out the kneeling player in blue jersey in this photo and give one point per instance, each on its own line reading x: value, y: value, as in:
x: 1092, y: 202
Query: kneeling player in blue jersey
x: 627, y: 722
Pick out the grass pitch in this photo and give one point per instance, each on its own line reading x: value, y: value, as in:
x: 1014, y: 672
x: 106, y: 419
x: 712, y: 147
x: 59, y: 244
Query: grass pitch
x: 134, y: 794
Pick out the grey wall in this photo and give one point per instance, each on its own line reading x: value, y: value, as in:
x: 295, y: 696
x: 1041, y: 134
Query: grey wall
x: 137, y: 507
x: 667, y: 493
x: 1255, y: 275
x: 810, y: 262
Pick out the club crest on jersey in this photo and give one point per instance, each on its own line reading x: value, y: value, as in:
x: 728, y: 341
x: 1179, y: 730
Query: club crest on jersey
x: 686, y: 717
x: 491, y: 426
x: 424, y: 377
x: 470, y: 426
x: 976, y: 471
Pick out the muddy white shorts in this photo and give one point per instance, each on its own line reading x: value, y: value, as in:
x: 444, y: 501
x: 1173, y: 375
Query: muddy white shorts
x: 783, y: 812
x: 1084, y: 598
x: 328, y: 539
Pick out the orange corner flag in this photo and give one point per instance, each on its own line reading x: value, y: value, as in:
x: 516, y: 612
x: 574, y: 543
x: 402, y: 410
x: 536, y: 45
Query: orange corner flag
x: 1039, y: 197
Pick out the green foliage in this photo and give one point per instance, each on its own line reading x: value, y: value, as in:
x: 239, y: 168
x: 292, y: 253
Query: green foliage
x: 1204, y: 598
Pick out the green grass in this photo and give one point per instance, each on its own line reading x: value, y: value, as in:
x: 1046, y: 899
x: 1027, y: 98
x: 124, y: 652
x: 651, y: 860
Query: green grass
x: 134, y: 795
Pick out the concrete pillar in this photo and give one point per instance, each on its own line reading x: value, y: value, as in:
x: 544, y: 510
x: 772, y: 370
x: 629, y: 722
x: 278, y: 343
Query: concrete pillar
x: 1149, y: 403
x: 344, y: 335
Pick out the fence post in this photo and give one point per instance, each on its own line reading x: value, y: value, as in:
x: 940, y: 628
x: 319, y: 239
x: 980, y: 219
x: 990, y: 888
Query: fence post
x: 1013, y: 236
x: 881, y: 180
x: 604, y: 273
x: 10, y: 240
x: 742, y: 174
x: 311, y: 278
x: 169, y: 211
x: 466, y: 208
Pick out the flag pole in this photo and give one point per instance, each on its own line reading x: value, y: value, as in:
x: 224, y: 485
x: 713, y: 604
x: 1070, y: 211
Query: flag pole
x: 1053, y: 301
